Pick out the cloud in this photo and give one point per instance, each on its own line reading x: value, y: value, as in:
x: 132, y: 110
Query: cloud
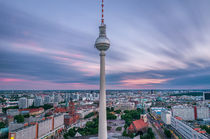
x: 154, y: 44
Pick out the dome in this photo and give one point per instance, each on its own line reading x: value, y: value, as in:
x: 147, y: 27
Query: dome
x: 159, y: 99
x: 102, y: 43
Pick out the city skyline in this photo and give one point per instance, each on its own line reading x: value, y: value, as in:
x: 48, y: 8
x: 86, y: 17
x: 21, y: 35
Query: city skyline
x: 155, y: 44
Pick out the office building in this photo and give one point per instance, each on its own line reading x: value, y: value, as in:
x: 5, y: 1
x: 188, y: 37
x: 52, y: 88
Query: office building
x: 23, y: 103
x: 166, y: 117
x: 186, y: 130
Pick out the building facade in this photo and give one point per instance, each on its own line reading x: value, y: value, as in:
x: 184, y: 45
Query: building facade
x: 191, y: 113
x: 23, y: 103
x: 41, y: 129
x: 166, y: 117
x: 185, y: 130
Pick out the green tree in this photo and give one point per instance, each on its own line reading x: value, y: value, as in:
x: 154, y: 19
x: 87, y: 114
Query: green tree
x: 19, y: 118
x: 150, y: 133
x: 111, y: 116
x: 2, y: 125
x: 89, y: 115
x: 26, y: 116
x: 167, y: 133
x: 206, y: 128
x: 118, y: 111
x: 118, y: 128
x: 47, y: 106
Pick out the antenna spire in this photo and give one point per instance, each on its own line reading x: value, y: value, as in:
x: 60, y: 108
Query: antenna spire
x: 102, y: 13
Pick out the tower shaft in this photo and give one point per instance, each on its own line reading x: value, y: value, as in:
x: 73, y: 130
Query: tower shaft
x: 102, y: 102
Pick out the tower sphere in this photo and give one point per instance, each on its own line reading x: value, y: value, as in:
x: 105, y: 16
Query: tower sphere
x: 102, y: 42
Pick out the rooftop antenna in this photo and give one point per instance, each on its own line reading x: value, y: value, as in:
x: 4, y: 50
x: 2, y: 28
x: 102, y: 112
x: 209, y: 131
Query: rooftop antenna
x: 102, y: 12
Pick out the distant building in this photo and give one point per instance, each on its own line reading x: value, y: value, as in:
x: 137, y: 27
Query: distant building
x: 206, y: 96
x: 85, y: 112
x: 202, y: 112
x: 156, y: 111
x: 1, y: 108
x: 57, y: 98
x: 47, y: 99
x: 125, y: 106
x: 40, y: 129
x: 71, y: 117
x: 33, y: 111
x: 13, y: 112
x: 166, y: 117
x: 187, y: 131
x: 23, y: 103
x: 190, y: 113
x: 38, y: 101
x: 30, y: 102
x: 138, y: 125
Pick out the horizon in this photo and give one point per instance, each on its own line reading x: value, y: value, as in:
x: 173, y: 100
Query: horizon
x: 155, y: 45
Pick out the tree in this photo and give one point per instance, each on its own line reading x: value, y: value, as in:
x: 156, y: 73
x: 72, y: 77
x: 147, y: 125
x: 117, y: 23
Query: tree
x: 89, y: 115
x: 145, y: 136
x: 111, y: 116
x: 2, y: 125
x: 118, y: 128
x: 118, y: 111
x: 26, y: 116
x: 167, y: 133
x: 150, y: 133
x: 47, y: 106
x: 205, y: 128
x: 109, y: 127
x: 19, y: 118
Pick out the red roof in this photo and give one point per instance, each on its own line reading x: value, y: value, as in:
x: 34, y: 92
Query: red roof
x: 138, y: 125
x: 197, y: 129
x: 60, y: 109
x: 32, y: 110
x: 178, y: 118
x: 202, y: 131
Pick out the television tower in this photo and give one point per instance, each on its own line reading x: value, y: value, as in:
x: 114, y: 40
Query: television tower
x: 102, y: 44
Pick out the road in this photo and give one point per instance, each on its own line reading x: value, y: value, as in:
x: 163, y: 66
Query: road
x: 156, y: 128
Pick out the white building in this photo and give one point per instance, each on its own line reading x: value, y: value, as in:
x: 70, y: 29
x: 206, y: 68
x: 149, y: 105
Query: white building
x: 166, y: 117
x: 38, y: 101
x: 125, y: 106
x: 57, y: 98
x: 202, y: 113
x: 185, y: 130
x: 23, y: 103
x: 30, y: 102
x: 83, y: 113
x: 13, y: 112
x: 190, y: 112
x: 47, y: 99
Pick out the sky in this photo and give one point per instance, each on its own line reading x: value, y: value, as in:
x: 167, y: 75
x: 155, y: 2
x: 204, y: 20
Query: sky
x: 155, y: 44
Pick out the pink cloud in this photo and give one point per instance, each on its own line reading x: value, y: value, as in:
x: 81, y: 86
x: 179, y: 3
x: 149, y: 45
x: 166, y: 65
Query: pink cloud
x: 6, y: 83
x: 143, y: 81
x: 11, y: 80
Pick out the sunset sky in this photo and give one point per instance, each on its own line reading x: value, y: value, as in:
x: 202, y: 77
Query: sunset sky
x: 155, y: 44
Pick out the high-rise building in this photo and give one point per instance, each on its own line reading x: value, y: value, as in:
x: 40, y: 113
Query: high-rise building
x: 57, y: 98
x: 38, y: 101
x: 166, y: 117
x: 47, y: 99
x: 30, y: 102
x: 191, y: 112
x: 23, y: 103
x: 102, y: 44
x: 186, y: 130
